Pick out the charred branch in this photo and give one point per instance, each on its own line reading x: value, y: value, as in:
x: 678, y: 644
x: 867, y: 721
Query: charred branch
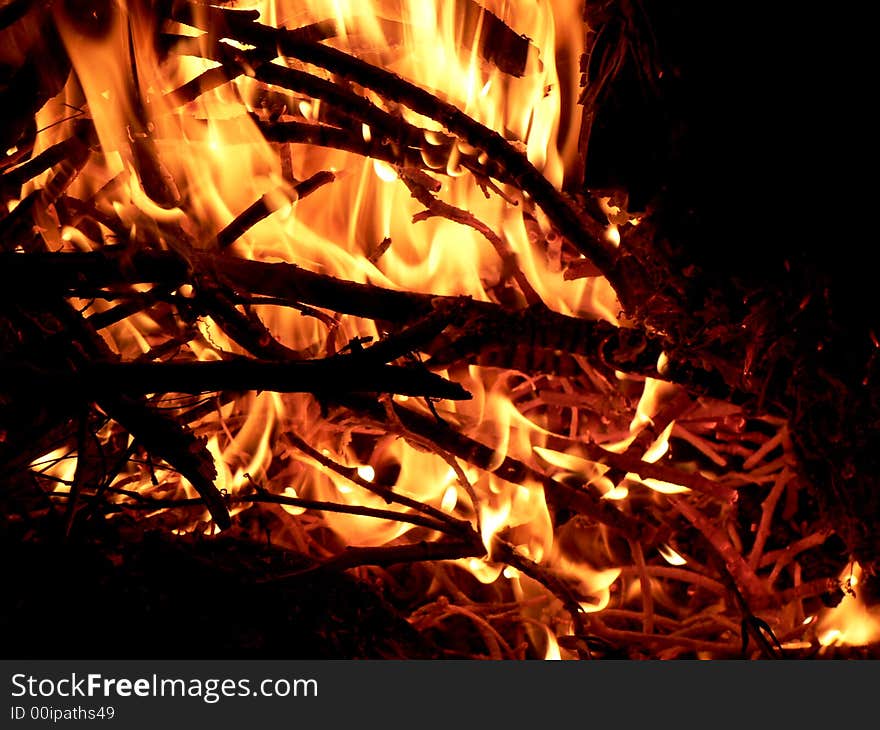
x: 342, y: 373
x: 268, y: 204
x: 481, y: 324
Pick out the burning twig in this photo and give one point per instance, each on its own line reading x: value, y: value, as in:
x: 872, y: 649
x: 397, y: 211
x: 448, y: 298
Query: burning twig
x: 783, y: 557
x: 733, y: 561
x: 557, y: 587
x: 767, y: 510
x: 450, y: 523
x: 245, y: 328
x: 714, y: 648
x: 418, y: 552
x: 112, y: 295
x: 81, y: 139
x: 559, y: 494
x: 142, y: 502
x: 436, y: 207
x: 433, y: 614
x: 84, y: 273
x: 647, y: 591
x: 678, y: 574
x: 245, y: 29
x: 312, y: 376
x: 268, y: 204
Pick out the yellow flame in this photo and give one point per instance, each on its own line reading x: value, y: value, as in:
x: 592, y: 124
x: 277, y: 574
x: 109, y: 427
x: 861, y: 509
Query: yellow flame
x: 660, y: 447
x: 59, y: 465
x: 449, y: 500
x: 289, y: 508
x: 552, y: 652
x: 852, y: 622
x: 590, y: 472
x: 671, y: 556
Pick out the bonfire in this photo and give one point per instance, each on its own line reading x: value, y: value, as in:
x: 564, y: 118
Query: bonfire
x: 323, y: 331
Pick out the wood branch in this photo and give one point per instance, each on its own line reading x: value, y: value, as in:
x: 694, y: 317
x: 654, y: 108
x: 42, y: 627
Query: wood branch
x: 450, y: 523
x: 339, y: 374
x: 133, y: 302
x: 661, y: 472
x: 144, y: 502
x: 558, y: 494
x: 679, y: 574
x: 419, y: 520
x: 323, y: 135
x: 767, y: 509
x: 555, y: 585
x: 418, y: 552
x: 343, y: 115
x: 717, y: 649
x: 268, y: 204
x: 83, y: 137
x: 245, y: 328
x: 745, y: 578
x: 436, y: 207
x: 52, y: 335
x: 629, y: 350
x: 175, y: 444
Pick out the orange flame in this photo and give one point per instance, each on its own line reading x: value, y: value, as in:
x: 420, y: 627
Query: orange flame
x: 852, y: 622
x: 195, y: 167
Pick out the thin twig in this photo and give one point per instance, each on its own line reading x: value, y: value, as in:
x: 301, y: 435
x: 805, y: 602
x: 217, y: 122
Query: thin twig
x: 765, y: 448
x: 436, y: 207
x: 767, y: 509
x: 699, y: 443
x: 715, y: 648
x: 144, y: 502
x: 784, y: 556
x: 510, y: 555
x: 418, y: 552
x: 679, y: 574
x: 647, y: 593
x: 268, y: 204
x: 733, y: 561
x: 388, y: 494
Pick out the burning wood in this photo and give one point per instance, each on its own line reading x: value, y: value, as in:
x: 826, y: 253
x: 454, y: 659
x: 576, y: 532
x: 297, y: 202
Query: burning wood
x: 312, y: 269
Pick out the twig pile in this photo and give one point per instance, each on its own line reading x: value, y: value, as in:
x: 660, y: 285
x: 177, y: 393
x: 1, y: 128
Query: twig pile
x: 712, y: 548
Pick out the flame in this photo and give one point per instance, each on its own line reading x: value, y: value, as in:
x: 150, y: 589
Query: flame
x: 590, y: 472
x: 552, y: 653
x: 671, y: 556
x: 194, y: 167
x: 58, y: 465
x: 852, y: 622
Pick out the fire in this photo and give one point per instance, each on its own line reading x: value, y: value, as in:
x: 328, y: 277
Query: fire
x: 852, y: 622
x: 671, y: 556
x: 213, y: 150
x: 198, y: 165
